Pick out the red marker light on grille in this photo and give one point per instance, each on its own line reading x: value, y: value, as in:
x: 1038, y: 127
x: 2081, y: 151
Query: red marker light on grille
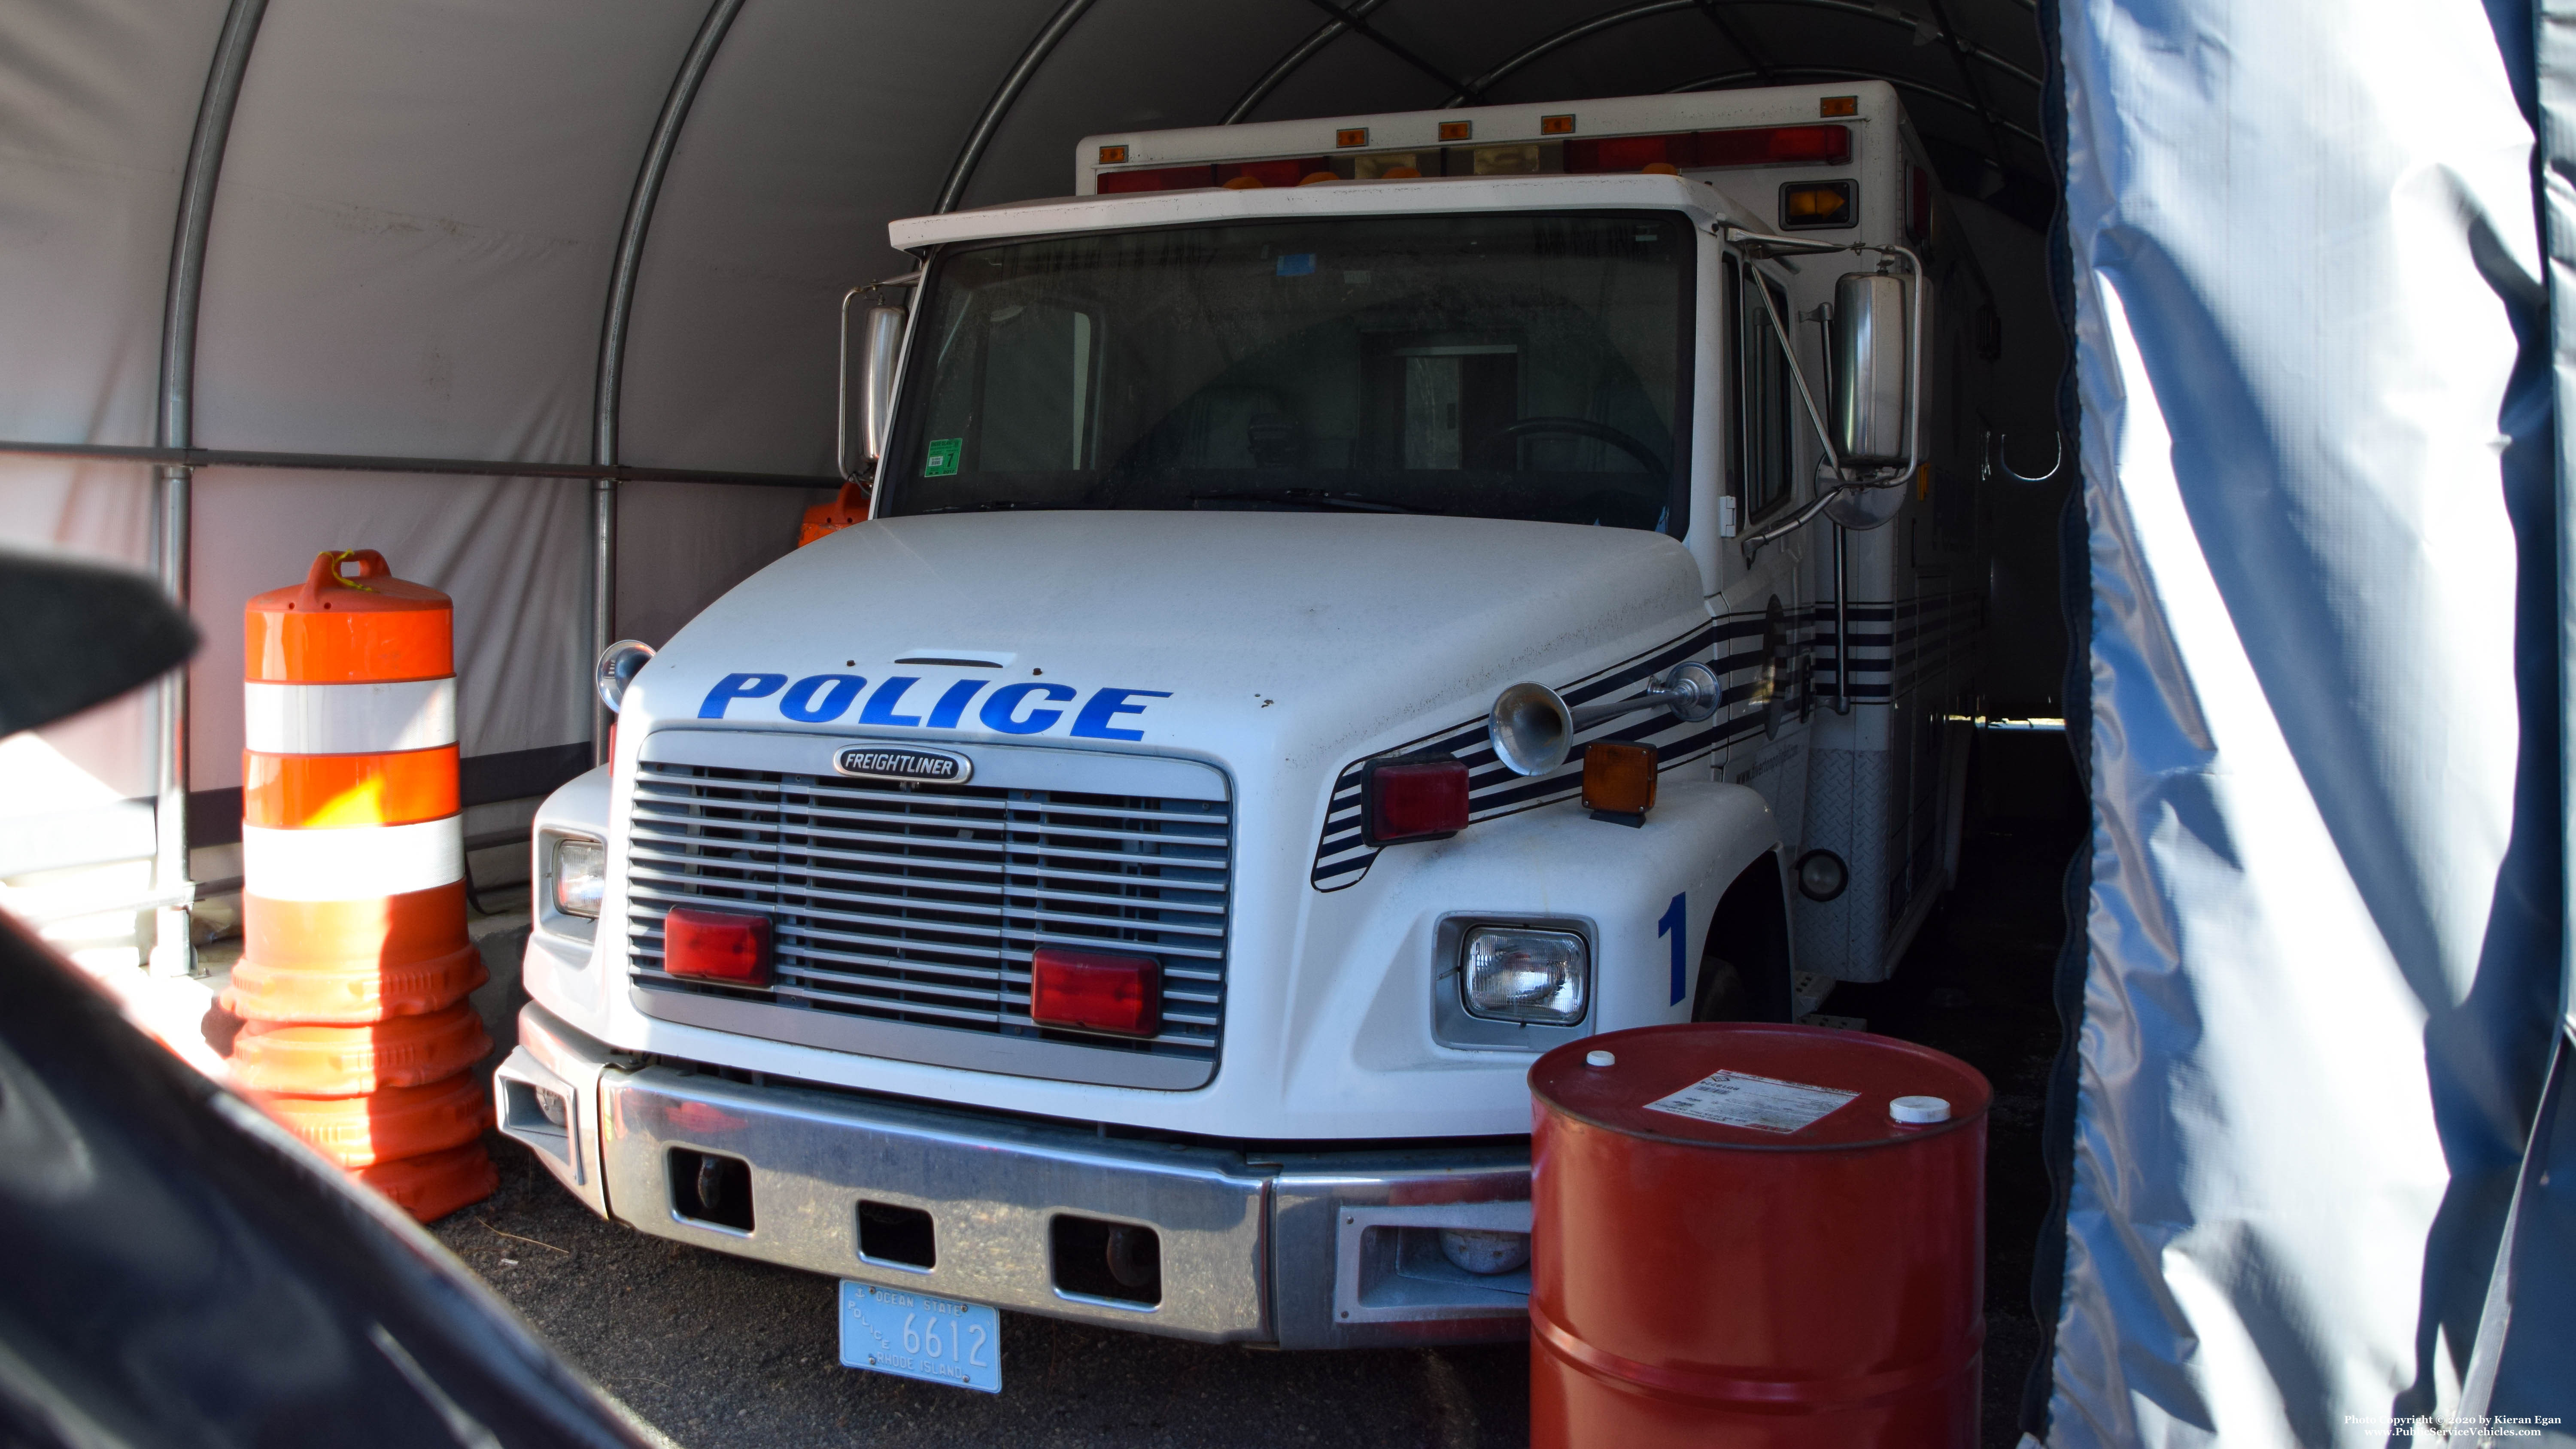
x: 716, y: 946
x: 1414, y: 799
x: 1096, y: 992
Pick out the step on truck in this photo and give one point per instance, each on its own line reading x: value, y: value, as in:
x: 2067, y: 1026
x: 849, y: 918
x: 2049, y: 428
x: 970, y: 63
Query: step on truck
x: 1351, y: 605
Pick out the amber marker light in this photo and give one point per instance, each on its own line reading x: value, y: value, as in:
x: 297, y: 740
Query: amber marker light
x: 1807, y: 206
x: 1619, y: 780
x: 1113, y: 155
x: 1355, y: 136
x: 1838, y: 106
x: 1457, y: 130
x: 1556, y: 125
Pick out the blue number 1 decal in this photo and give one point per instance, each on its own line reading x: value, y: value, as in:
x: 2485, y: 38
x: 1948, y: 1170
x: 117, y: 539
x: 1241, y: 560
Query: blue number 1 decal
x: 1676, y: 924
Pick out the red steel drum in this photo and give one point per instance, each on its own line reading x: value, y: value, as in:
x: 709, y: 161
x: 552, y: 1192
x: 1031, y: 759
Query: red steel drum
x: 1768, y: 1257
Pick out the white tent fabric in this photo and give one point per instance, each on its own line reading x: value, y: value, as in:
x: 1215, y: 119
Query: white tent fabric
x: 2323, y: 979
x: 2320, y: 968
x: 419, y: 208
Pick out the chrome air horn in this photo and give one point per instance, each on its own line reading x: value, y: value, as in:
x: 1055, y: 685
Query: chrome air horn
x: 1532, y: 727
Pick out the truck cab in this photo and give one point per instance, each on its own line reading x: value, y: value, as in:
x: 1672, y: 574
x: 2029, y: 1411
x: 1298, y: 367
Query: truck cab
x: 1350, y: 605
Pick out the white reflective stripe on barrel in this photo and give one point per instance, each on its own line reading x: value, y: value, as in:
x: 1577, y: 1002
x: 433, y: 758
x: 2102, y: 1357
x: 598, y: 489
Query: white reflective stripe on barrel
x: 352, y: 864
x: 348, y: 719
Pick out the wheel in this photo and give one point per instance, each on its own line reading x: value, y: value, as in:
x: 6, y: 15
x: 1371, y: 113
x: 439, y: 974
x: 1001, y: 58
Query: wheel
x: 1744, y: 968
x: 1722, y: 996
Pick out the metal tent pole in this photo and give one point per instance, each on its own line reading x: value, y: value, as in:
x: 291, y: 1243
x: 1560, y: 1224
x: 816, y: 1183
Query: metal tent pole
x: 173, y: 954
x: 1611, y: 19
x: 611, y: 380
x: 1287, y: 64
x: 1040, y: 44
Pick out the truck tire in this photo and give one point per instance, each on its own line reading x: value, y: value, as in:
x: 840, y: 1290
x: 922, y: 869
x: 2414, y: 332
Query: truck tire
x: 1744, y: 969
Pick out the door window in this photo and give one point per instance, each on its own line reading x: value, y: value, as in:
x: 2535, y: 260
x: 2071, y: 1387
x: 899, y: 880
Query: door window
x: 1766, y: 451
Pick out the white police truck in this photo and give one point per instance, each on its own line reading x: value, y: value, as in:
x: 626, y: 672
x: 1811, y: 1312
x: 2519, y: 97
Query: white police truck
x: 1351, y: 604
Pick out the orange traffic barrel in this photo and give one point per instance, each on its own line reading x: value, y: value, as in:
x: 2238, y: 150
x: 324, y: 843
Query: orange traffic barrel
x: 356, y: 961
x: 435, y: 1184
x: 336, y: 1061
x: 1755, y: 1235
x: 353, y: 859
x: 824, y: 519
x: 382, y: 1126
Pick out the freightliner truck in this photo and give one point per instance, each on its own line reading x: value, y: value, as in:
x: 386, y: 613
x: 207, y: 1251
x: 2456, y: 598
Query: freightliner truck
x: 1350, y: 605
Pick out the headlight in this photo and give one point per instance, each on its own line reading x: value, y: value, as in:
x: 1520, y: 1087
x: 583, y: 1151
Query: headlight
x: 580, y: 875
x: 1512, y: 973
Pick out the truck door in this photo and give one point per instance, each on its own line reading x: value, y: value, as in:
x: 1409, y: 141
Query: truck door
x: 1765, y: 614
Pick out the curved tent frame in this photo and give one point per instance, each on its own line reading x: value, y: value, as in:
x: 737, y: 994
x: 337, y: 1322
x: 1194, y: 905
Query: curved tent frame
x: 2206, y: 679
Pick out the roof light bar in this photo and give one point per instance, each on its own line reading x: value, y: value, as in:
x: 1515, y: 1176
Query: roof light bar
x: 1701, y: 150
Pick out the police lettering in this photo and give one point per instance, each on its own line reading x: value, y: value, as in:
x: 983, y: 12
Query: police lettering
x: 1026, y: 708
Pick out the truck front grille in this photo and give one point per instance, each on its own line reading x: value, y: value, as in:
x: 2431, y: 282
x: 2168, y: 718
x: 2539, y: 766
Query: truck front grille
x: 920, y: 904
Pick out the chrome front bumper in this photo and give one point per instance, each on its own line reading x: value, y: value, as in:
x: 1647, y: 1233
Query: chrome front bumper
x: 1301, y: 1250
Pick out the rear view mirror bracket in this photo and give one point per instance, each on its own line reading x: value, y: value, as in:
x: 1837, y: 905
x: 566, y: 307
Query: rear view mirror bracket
x: 1763, y: 246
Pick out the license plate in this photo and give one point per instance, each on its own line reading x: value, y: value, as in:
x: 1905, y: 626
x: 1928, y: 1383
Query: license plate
x: 895, y: 1331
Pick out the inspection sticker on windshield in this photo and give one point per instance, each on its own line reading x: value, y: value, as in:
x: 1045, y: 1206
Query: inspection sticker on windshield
x: 898, y: 1331
x: 941, y: 461
x: 1765, y: 1104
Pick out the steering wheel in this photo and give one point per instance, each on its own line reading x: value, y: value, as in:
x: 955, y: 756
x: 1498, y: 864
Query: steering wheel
x: 1586, y: 428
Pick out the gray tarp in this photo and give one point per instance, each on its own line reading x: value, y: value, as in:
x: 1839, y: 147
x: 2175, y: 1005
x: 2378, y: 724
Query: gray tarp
x: 2324, y: 975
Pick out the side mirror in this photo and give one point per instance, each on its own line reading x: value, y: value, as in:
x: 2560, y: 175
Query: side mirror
x: 1870, y: 362
x: 879, y: 344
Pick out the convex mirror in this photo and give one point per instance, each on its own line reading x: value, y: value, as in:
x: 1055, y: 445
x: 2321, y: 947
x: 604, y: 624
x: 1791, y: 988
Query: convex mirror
x: 869, y: 352
x: 1869, y: 370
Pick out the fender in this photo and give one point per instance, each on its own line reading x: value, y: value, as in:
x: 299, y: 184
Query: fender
x: 1627, y: 887
x: 558, y: 968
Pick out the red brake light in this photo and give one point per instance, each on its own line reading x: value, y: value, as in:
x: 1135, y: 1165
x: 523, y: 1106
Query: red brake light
x: 1272, y: 173
x: 1412, y: 799
x: 1158, y: 178
x: 1630, y: 153
x: 1750, y: 146
x: 716, y: 946
x: 1096, y: 992
x: 1776, y: 146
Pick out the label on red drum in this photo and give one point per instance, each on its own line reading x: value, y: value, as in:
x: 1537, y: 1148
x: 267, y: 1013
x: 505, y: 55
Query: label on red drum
x: 1765, y: 1104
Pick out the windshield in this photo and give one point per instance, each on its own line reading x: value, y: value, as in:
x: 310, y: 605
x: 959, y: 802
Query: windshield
x: 1515, y: 366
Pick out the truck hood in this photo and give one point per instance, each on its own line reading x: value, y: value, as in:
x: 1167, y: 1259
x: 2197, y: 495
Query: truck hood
x: 1301, y: 639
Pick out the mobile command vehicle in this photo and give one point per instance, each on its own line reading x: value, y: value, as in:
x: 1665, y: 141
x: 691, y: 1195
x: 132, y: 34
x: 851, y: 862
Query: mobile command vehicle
x: 1351, y: 604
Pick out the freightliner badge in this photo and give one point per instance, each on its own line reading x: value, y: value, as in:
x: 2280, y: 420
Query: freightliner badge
x: 904, y: 763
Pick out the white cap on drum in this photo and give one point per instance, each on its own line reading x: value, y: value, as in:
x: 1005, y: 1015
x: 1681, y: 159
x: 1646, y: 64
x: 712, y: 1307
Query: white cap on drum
x: 1919, y: 1111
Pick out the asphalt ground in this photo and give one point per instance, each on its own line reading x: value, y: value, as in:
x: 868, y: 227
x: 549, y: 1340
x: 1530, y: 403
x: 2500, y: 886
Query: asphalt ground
x: 714, y: 1350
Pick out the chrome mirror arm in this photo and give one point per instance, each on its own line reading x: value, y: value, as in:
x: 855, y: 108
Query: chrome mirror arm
x: 1755, y: 243
x: 1797, y: 374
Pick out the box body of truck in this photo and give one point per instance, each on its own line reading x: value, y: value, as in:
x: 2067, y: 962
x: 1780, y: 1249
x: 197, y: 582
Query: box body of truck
x: 1208, y: 510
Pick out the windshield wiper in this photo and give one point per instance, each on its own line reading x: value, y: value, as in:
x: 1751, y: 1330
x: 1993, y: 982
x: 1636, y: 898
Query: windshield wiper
x: 991, y: 505
x: 1312, y: 498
